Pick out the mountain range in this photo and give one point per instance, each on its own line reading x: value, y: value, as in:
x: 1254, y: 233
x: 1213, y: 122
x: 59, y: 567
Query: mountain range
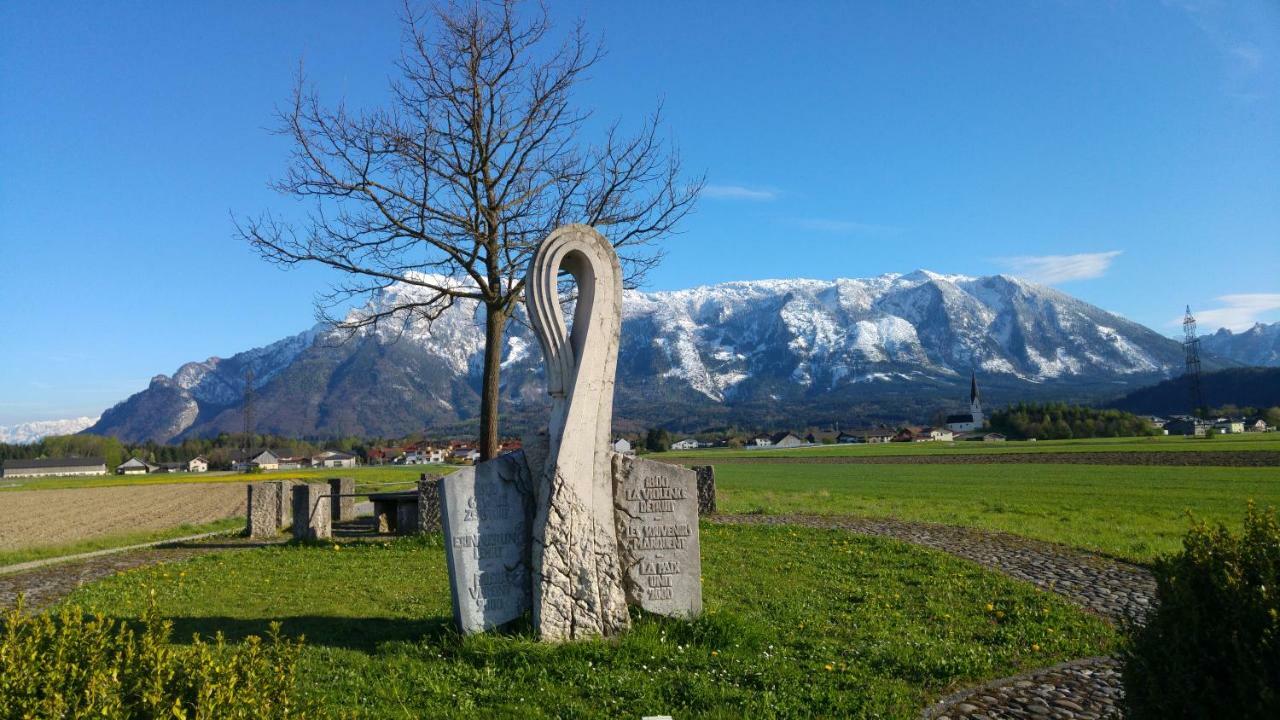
x: 1258, y: 346
x: 754, y: 354
x: 29, y: 432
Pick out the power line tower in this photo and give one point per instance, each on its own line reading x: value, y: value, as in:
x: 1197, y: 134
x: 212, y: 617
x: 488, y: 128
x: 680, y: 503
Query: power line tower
x: 248, y: 413
x: 1191, y: 348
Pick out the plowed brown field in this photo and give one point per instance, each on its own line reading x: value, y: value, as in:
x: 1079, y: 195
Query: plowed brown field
x: 35, y: 518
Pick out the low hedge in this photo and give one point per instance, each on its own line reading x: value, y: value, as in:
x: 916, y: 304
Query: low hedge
x: 70, y: 665
x: 1211, y: 647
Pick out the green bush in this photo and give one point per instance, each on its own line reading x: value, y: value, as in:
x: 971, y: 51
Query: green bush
x: 69, y: 665
x: 1211, y: 648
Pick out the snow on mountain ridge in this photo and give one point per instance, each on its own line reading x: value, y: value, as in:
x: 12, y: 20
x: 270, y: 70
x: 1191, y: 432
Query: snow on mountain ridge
x: 29, y: 432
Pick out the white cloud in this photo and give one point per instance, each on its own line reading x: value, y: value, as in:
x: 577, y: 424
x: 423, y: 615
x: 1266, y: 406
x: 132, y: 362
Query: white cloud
x: 1054, y: 269
x: 739, y: 192
x: 847, y: 227
x: 1241, y: 311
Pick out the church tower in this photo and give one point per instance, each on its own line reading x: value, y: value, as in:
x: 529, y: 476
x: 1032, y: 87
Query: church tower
x: 975, y: 404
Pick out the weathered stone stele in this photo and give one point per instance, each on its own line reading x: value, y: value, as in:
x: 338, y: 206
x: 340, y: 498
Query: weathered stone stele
x: 312, y: 516
x: 706, y: 489
x: 343, y: 503
x: 577, y: 591
x: 269, y: 506
x: 487, y: 511
x: 657, y: 517
x: 428, y: 504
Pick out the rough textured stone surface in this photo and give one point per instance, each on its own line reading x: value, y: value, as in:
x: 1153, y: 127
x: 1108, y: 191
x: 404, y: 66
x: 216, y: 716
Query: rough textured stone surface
x: 487, y: 513
x: 1087, y: 689
x: 428, y: 503
x: 269, y: 507
x: 657, y: 523
x: 312, y: 516
x: 706, y: 488
x: 343, y: 505
x: 578, y: 584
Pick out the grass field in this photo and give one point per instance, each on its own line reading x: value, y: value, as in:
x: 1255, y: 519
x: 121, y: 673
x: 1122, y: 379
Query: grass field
x: 1245, y: 442
x: 13, y: 557
x: 368, y: 478
x: 798, y: 622
x: 1125, y: 511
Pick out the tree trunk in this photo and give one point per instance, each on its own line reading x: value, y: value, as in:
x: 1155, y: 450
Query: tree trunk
x: 495, y: 322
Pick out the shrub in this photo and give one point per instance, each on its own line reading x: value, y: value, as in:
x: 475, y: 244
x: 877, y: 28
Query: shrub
x: 1211, y: 647
x: 70, y: 665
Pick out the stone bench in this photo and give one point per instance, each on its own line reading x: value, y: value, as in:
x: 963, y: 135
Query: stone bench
x: 408, y: 512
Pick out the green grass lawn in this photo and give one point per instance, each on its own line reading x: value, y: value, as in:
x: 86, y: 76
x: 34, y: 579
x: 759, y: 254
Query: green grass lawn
x: 798, y: 623
x: 368, y: 478
x: 1133, y: 512
x: 1229, y: 443
x: 12, y: 557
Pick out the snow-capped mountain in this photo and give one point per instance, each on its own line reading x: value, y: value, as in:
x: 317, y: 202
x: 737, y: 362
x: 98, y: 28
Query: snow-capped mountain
x: 1258, y: 346
x: 750, y: 353
x: 29, y: 432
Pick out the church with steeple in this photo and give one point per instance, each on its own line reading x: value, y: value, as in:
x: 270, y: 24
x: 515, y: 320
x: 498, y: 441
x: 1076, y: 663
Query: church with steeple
x: 974, y: 419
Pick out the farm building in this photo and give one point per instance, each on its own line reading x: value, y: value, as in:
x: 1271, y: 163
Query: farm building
x: 54, y: 467
x: 259, y: 460
x: 198, y: 464
x: 685, y: 444
x: 622, y: 446
x: 134, y: 466
x: 334, y: 459
x: 785, y: 440
x: 1187, y: 425
x: 879, y: 435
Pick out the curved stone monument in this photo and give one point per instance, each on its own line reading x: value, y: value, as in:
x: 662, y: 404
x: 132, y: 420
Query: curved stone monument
x: 566, y: 527
x: 579, y: 590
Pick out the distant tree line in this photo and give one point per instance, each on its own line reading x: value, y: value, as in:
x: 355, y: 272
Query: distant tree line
x: 220, y: 451
x: 1060, y: 421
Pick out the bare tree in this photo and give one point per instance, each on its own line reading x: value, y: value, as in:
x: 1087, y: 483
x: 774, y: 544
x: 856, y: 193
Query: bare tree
x: 476, y: 158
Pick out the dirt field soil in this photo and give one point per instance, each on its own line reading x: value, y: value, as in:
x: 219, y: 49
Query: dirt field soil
x: 35, y: 518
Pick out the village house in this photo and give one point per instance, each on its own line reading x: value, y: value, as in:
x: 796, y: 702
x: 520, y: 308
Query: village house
x: 1187, y: 425
x: 54, y: 467
x: 1257, y: 424
x: 464, y: 455
x: 198, y: 464
x: 1229, y: 426
x: 685, y: 444
x: 622, y: 446
x: 994, y: 437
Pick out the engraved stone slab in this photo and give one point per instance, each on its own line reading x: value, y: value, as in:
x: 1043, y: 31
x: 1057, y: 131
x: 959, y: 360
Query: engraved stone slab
x: 487, y: 513
x: 344, y: 502
x: 312, y: 516
x: 656, y: 510
x: 428, y: 504
x: 706, y: 488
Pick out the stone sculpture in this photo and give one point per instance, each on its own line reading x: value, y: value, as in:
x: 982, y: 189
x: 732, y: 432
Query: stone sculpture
x: 575, y: 546
x: 566, y: 527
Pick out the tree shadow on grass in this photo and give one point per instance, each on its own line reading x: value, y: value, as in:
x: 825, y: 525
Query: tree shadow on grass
x: 362, y: 634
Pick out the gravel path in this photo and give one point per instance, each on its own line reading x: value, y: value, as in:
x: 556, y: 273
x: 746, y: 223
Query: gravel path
x: 47, y: 585
x: 1214, y: 458
x: 1086, y: 689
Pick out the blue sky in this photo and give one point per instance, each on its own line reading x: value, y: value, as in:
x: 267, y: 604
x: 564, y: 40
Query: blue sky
x: 1127, y: 152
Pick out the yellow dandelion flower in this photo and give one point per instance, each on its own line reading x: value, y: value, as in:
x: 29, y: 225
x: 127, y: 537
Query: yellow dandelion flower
x: 829, y: 666
x: 990, y: 607
x: 1035, y: 647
